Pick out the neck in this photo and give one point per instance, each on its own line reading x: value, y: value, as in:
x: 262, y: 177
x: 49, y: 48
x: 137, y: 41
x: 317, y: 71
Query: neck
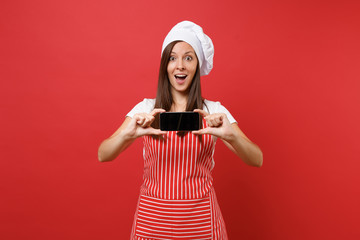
x: 179, y: 102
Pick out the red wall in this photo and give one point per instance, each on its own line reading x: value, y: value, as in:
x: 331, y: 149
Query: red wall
x: 287, y: 70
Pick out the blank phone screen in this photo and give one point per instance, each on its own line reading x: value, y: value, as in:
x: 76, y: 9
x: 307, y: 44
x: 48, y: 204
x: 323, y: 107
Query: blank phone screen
x: 179, y: 121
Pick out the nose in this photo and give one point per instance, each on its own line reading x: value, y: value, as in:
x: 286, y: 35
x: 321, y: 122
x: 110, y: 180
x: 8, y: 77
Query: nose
x: 180, y: 64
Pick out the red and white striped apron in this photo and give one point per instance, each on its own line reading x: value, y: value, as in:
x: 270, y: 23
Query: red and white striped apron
x: 177, y: 199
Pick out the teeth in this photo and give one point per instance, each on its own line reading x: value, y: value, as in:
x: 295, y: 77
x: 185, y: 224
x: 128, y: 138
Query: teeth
x: 180, y: 75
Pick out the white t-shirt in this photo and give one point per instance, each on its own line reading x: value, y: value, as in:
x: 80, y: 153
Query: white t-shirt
x: 147, y: 105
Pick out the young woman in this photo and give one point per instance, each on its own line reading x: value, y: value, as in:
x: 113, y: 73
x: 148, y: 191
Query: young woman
x: 177, y: 199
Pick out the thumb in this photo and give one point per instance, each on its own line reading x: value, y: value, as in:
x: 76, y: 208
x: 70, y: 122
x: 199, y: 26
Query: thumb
x: 202, y: 131
x: 153, y: 131
x: 202, y: 112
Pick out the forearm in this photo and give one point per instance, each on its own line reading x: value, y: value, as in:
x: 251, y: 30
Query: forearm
x: 110, y: 148
x: 249, y: 152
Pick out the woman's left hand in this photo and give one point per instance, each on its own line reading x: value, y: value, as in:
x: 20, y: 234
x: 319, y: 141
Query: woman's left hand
x: 220, y: 126
x: 217, y: 125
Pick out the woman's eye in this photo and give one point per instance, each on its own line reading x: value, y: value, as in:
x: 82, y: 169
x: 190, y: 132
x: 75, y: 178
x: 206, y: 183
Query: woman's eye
x: 172, y: 58
x: 188, y: 58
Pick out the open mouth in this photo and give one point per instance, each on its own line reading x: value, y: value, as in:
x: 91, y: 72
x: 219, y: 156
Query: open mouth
x: 180, y: 77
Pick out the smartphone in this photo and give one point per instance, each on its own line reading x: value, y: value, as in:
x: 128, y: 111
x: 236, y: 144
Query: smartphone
x: 179, y: 121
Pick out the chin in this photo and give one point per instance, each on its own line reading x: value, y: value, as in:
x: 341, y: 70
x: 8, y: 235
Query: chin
x: 182, y: 89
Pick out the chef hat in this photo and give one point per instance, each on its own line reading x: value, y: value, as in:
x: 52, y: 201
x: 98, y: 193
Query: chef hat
x: 193, y: 34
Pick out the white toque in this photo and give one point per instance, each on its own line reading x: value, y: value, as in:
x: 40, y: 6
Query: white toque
x: 193, y: 34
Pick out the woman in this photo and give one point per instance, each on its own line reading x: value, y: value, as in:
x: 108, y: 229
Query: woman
x: 177, y: 199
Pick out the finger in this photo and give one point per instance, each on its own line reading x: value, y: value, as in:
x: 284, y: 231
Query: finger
x: 218, y: 120
x: 211, y: 122
x: 140, y: 120
x: 147, y: 122
x: 214, y: 120
x: 201, y: 131
x: 208, y: 130
x: 156, y: 111
x: 198, y: 132
x: 202, y: 112
x: 153, y: 131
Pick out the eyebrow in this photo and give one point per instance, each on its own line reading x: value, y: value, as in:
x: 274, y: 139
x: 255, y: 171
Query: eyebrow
x: 184, y: 53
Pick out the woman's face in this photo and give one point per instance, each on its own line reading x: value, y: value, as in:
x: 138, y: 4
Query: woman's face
x: 182, y: 67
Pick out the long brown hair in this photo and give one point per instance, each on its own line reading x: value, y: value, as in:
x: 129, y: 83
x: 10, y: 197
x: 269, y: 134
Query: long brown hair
x: 164, y: 98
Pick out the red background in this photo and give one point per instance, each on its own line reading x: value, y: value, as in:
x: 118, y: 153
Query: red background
x: 287, y: 70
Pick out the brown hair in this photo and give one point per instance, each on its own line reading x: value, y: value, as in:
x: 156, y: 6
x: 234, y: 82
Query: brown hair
x: 164, y: 98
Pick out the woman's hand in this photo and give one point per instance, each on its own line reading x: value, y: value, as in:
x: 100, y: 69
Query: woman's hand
x: 130, y: 129
x: 140, y: 125
x: 232, y: 136
x: 218, y: 125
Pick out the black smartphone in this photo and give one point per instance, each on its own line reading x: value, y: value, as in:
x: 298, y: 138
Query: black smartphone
x: 179, y: 121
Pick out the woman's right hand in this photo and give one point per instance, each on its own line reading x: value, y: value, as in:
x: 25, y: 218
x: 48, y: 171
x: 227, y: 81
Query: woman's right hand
x: 132, y: 128
x: 140, y: 125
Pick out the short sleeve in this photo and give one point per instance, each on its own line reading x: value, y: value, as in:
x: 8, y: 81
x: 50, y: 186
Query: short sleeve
x: 216, y: 107
x: 146, y: 106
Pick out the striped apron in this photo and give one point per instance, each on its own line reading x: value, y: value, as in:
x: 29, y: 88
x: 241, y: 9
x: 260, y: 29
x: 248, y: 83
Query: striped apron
x: 177, y: 199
